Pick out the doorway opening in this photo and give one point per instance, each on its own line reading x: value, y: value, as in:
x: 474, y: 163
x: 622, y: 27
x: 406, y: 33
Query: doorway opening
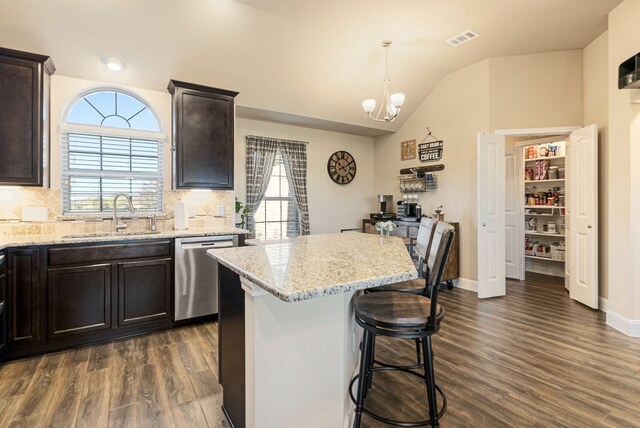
x: 537, y: 209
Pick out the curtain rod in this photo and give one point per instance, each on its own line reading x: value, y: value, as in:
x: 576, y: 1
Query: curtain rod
x: 280, y: 140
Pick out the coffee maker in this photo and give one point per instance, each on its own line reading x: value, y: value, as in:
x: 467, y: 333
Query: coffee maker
x: 386, y: 205
x: 408, y: 211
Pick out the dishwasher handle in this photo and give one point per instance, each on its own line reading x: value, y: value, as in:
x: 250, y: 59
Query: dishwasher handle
x: 207, y: 245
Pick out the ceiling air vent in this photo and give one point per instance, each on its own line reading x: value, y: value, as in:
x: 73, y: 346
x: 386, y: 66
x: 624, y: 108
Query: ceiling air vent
x: 462, y: 38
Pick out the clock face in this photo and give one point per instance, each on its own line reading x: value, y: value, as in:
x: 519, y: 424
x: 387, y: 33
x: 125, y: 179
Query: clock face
x: 341, y: 167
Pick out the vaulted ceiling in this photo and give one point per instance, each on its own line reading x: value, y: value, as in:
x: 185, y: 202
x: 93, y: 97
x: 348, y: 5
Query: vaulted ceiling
x: 304, y: 61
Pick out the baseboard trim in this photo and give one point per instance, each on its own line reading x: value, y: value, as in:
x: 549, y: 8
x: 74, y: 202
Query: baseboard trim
x: 623, y: 324
x: 466, y: 284
x: 603, y: 304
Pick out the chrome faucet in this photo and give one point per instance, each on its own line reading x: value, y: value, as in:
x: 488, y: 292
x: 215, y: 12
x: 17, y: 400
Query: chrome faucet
x: 116, y: 226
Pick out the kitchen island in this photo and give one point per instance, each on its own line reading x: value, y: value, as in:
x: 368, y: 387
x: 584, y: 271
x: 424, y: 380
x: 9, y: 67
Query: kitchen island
x: 288, y: 342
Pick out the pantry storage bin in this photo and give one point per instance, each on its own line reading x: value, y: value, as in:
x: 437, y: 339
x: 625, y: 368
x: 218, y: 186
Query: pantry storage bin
x: 557, y: 251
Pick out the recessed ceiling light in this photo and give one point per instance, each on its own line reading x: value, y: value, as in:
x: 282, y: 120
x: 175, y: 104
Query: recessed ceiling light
x: 114, y: 64
x: 462, y: 38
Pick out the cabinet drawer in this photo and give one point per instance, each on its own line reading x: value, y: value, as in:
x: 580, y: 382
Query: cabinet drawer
x: 100, y: 252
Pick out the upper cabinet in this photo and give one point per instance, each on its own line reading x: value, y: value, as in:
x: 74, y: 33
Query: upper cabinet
x: 24, y: 117
x: 203, y: 122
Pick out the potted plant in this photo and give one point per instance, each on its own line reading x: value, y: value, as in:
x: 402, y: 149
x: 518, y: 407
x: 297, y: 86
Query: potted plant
x: 243, y: 210
x: 386, y: 227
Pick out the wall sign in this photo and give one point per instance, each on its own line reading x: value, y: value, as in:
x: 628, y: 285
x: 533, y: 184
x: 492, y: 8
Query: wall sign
x: 431, y: 151
x: 408, y: 150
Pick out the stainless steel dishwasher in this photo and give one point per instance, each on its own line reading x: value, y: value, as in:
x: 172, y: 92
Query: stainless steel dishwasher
x: 196, y: 285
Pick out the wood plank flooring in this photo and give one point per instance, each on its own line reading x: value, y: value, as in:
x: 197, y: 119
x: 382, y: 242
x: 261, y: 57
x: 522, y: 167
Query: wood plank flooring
x: 532, y: 359
x: 163, y: 379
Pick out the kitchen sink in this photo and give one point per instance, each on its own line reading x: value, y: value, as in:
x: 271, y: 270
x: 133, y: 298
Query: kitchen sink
x: 115, y: 234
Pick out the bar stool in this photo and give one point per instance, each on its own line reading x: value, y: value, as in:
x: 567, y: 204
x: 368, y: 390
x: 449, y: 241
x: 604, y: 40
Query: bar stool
x: 424, y: 241
x: 404, y: 316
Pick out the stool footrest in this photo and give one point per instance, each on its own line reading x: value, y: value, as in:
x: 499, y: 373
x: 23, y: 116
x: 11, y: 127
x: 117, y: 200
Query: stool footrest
x: 366, y: 411
x: 385, y: 366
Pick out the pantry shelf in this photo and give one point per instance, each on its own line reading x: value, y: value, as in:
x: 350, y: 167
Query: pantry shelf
x: 544, y: 158
x: 543, y: 258
x: 543, y: 206
x: 556, y: 235
x: 554, y: 180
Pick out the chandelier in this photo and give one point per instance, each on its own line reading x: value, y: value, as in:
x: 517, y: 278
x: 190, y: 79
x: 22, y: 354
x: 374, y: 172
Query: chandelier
x: 391, y: 103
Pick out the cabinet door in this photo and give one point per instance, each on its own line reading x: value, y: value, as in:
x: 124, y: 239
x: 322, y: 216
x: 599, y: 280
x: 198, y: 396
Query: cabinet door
x: 144, y: 291
x: 23, y: 125
x: 79, y: 300
x: 23, y: 296
x: 3, y: 310
x: 203, y: 137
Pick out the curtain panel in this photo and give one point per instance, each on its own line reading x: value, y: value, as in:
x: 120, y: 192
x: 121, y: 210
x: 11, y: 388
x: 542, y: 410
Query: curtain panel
x: 294, y: 158
x: 261, y: 152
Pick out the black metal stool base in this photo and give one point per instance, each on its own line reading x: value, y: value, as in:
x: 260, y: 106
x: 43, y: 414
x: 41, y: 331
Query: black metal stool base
x: 368, y: 412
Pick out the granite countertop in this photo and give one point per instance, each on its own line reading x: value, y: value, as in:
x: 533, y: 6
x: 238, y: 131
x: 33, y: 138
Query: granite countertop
x: 313, y: 266
x: 28, y: 240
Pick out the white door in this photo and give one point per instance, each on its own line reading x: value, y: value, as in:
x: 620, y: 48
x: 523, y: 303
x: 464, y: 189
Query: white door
x: 513, y: 217
x: 491, y: 223
x: 582, y: 214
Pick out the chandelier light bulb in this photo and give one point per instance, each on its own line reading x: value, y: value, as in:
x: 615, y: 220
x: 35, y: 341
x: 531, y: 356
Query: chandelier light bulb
x: 397, y: 99
x: 369, y: 105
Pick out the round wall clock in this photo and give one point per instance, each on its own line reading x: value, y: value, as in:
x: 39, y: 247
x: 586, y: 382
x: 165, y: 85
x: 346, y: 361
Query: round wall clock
x: 341, y: 167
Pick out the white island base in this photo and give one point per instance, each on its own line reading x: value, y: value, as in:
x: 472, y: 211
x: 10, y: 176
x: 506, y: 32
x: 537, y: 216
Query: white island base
x: 300, y: 358
x: 286, y: 332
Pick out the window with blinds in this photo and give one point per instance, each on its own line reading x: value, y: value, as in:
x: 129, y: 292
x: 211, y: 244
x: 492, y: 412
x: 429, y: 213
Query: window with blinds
x: 277, y: 215
x: 108, y: 147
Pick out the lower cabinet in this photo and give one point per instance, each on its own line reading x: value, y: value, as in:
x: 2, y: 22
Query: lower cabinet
x: 144, y: 291
x: 63, y: 296
x: 24, y: 297
x: 3, y: 301
x: 79, y: 299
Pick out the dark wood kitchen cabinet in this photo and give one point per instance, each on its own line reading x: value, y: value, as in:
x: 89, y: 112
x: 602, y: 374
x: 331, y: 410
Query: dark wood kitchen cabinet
x: 71, y: 295
x: 24, y: 117
x: 24, y: 297
x: 3, y: 301
x: 79, y: 299
x: 144, y: 291
x: 203, y: 123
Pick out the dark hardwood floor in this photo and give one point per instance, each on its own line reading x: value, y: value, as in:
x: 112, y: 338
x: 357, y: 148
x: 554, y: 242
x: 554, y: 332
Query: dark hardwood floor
x: 532, y: 359
x: 158, y: 380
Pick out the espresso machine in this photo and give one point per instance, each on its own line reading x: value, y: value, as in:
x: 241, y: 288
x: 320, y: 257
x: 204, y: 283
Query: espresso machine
x: 386, y: 207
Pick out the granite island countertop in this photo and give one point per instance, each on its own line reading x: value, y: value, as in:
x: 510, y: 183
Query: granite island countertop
x: 31, y: 240
x: 313, y: 266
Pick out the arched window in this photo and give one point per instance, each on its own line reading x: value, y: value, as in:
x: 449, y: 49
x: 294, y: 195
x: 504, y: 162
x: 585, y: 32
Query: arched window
x: 111, y: 143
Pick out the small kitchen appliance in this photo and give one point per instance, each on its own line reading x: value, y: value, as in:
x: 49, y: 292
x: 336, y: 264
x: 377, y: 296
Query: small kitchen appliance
x: 408, y: 211
x: 386, y: 205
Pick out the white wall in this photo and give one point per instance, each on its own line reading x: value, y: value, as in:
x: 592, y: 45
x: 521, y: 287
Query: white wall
x: 331, y: 206
x: 624, y: 168
x: 596, y: 110
x: 535, y: 91
x: 455, y: 111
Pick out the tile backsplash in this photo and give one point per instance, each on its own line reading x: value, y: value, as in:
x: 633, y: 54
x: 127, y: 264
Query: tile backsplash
x: 12, y: 200
x: 204, y: 205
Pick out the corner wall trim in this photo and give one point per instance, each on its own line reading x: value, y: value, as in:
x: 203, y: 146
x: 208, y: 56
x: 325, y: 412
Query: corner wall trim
x: 623, y: 324
x: 466, y: 284
x: 603, y: 304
